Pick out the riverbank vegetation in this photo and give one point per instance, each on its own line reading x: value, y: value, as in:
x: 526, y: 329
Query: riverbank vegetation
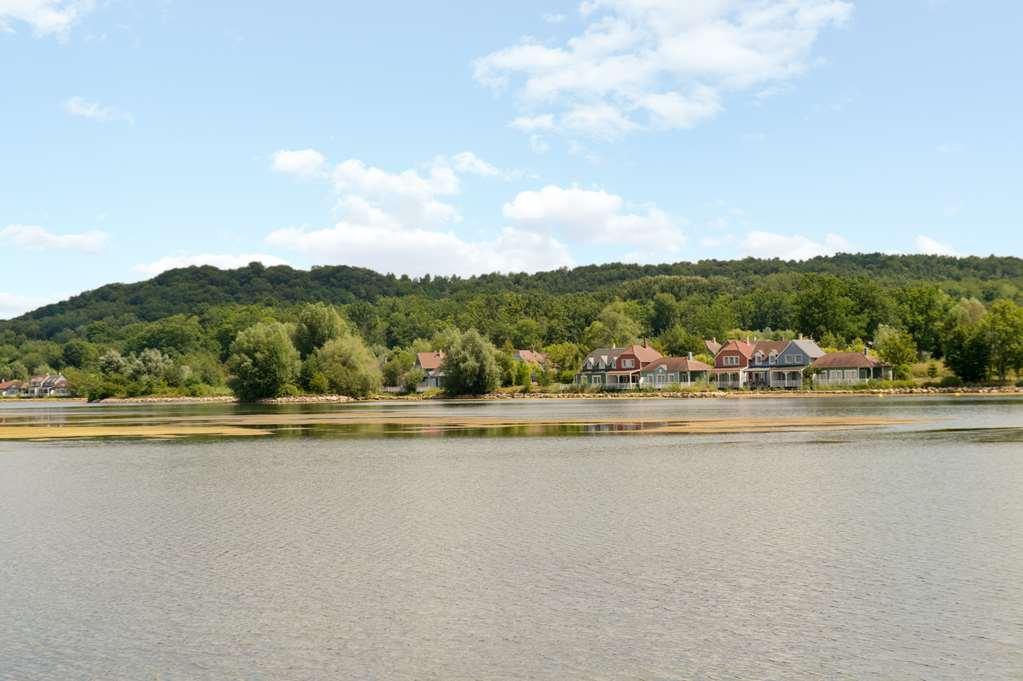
x: 272, y: 332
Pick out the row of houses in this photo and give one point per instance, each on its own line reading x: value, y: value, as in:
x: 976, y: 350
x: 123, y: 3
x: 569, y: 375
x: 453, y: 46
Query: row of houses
x: 737, y: 364
x: 37, y: 386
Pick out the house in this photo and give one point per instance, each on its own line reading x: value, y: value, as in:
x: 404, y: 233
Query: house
x: 430, y: 363
x: 616, y: 367
x: 530, y: 357
x: 730, y: 364
x: 667, y: 371
x: 48, y: 385
x: 780, y: 364
x: 848, y: 368
x: 10, y: 388
x: 764, y: 358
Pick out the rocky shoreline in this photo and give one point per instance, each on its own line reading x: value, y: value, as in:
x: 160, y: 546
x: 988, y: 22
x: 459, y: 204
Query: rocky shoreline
x: 624, y: 395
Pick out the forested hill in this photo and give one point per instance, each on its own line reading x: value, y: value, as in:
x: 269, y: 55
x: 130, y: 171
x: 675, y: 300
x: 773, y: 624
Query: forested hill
x: 191, y: 290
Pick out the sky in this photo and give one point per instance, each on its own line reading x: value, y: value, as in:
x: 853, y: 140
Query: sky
x: 468, y: 137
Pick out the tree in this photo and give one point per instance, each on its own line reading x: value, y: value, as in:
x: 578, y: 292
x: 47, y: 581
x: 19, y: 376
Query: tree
x: 613, y: 327
x: 825, y: 308
x: 896, y: 347
x: 348, y: 367
x: 665, y: 313
x: 527, y: 334
x: 677, y: 342
x: 264, y: 361
x: 923, y: 310
x: 967, y: 352
x: 1004, y: 326
x: 77, y: 353
x: 411, y: 379
x: 399, y: 362
x: 470, y: 366
x: 317, y: 324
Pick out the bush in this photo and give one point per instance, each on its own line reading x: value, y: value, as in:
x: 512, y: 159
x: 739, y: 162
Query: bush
x: 470, y: 367
x: 264, y: 362
x: 347, y: 367
x: 951, y: 382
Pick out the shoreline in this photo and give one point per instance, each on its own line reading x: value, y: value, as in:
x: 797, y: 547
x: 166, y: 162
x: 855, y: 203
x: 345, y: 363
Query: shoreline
x: 501, y: 396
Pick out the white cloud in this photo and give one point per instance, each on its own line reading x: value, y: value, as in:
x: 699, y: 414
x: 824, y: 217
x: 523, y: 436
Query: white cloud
x: 400, y: 222
x: 305, y: 163
x: 34, y: 238
x: 759, y: 244
x: 553, y: 18
x: 46, y: 17
x: 661, y: 64
x: 84, y: 108
x: 533, y: 123
x: 469, y: 163
x: 929, y: 246
x: 222, y: 260
x: 391, y: 247
x: 14, y: 304
x: 595, y: 216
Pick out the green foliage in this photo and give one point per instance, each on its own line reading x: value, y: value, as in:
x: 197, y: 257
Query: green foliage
x: 346, y: 367
x: 896, y: 347
x: 614, y: 327
x: 317, y: 324
x: 967, y: 352
x: 411, y: 379
x: 470, y: 367
x: 264, y: 361
x: 1004, y: 328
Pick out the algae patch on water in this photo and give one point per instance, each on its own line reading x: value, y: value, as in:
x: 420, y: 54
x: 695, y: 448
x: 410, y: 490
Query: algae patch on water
x: 368, y: 423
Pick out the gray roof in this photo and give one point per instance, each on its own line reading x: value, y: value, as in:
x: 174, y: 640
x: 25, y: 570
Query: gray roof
x: 809, y: 347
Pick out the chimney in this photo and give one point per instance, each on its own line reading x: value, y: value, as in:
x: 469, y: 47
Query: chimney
x: 864, y: 350
x: 644, y: 342
x: 690, y: 357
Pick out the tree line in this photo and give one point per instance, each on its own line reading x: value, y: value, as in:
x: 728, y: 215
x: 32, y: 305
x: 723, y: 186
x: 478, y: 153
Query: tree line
x: 972, y: 324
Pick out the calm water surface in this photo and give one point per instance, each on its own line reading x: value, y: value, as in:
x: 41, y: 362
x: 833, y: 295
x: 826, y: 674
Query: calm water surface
x: 880, y: 553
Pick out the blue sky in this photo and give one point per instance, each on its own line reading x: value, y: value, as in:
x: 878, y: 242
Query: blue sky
x: 464, y: 138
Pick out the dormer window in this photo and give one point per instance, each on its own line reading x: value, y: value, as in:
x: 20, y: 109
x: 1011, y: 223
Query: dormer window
x: 628, y: 364
x: 730, y: 360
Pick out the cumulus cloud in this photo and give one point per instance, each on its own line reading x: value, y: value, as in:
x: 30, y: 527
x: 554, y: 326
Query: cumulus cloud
x: 929, y: 246
x: 35, y: 238
x: 392, y: 247
x: 401, y: 222
x: 658, y: 64
x: 760, y: 244
x: 595, y: 216
x: 84, y: 108
x: 305, y: 163
x: 14, y: 304
x: 224, y: 261
x: 45, y: 17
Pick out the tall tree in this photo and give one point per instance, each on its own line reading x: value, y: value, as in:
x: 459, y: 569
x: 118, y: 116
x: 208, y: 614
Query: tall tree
x: 317, y: 324
x: 470, y: 366
x: 1005, y: 337
x: 264, y: 361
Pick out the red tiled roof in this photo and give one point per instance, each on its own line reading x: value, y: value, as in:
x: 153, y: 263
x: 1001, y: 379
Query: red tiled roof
x: 766, y: 346
x: 845, y: 360
x: 712, y: 346
x: 430, y: 360
x: 643, y: 353
x: 531, y: 356
x: 744, y: 348
x: 4, y: 385
x: 677, y: 364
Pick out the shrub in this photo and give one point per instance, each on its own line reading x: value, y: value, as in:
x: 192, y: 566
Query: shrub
x: 347, y: 367
x: 470, y: 366
x: 264, y: 361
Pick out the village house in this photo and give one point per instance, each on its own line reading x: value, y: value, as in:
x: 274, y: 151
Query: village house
x: 10, y: 388
x: 730, y: 364
x: 538, y: 362
x: 684, y: 371
x: 430, y: 364
x: 616, y: 367
x: 49, y: 385
x: 849, y: 368
x: 780, y: 364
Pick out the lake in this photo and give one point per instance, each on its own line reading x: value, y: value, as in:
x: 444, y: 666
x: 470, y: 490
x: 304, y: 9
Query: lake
x: 491, y: 549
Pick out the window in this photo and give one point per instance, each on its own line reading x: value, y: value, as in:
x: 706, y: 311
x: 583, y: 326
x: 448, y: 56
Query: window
x: 730, y: 360
x: 792, y: 359
x: 628, y: 364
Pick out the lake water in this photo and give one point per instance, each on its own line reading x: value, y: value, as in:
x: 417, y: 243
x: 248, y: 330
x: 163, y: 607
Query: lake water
x: 891, y: 552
